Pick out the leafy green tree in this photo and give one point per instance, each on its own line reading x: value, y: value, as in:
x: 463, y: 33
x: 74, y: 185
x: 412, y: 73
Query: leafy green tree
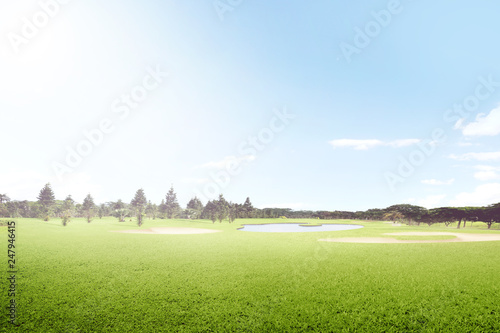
x: 151, y: 210
x: 194, y: 208
x: 248, y: 209
x: 47, y: 200
x: 4, y: 198
x: 222, y: 208
x: 375, y: 214
x: 411, y: 212
x: 88, y: 208
x: 24, y: 208
x: 172, y: 206
x: 101, y: 211
x: 446, y: 215
x: 4, y: 212
x: 67, y: 210
x: 232, y: 212
x: 12, y: 208
x: 210, y: 211
x: 162, y: 209
x: 139, y: 205
x: 393, y: 216
x: 492, y: 214
x: 472, y: 214
x: 119, y: 210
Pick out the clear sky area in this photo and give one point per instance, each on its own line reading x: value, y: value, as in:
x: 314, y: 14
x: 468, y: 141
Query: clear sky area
x: 309, y: 105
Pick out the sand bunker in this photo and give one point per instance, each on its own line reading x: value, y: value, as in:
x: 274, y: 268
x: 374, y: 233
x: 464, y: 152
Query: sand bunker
x: 169, y: 231
x: 459, y: 237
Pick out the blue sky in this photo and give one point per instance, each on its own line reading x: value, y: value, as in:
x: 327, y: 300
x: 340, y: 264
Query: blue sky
x: 330, y: 105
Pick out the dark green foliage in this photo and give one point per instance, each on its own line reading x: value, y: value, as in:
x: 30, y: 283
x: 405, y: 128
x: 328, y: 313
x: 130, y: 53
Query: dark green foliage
x: 119, y: 209
x: 194, y: 208
x: 138, y: 204
x: 222, y: 208
x: 68, y: 208
x: 47, y: 200
x: 412, y: 213
x: 88, y: 208
x: 4, y: 198
x: 210, y: 211
x: 151, y: 210
x: 248, y: 209
x: 172, y: 207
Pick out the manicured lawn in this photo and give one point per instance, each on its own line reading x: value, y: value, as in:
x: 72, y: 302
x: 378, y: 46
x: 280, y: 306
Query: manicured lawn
x: 83, y: 278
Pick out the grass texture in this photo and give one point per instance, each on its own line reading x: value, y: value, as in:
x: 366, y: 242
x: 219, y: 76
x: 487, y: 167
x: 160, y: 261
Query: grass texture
x: 84, y: 278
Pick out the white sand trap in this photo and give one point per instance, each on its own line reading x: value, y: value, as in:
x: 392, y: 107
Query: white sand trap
x: 459, y: 237
x: 394, y: 224
x: 169, y: 231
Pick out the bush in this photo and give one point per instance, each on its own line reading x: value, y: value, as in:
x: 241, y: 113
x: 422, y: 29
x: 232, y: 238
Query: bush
x: 65, y: 220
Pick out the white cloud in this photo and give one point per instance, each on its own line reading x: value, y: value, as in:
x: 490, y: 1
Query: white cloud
x: 403, y: 142
x: 431, y: 201
x: 438, y: 182
x: 356, y: 144
x: 490, y: 156
x: 227, y: 162
x: 467, y: 144
x: 368, y: 144
x: 482, y: 195
x: 484, y: 124
x: 486, y: 173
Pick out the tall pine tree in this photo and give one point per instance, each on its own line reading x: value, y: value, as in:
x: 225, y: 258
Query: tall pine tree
x: 171, y: 205
x: 88, y: 208
x: 47, y: 200
x: 194, y: 208
x: 248, y: 209
x: 139, y: 204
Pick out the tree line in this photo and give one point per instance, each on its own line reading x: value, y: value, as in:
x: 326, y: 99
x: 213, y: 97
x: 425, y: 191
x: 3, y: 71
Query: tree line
x: 139, y: 208
x: 220, y: 210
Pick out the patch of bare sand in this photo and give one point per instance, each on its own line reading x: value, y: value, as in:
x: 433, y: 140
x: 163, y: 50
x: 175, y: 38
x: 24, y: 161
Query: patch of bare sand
x: 169, y: 231
x: 459, y: 237
x: 394, y: 224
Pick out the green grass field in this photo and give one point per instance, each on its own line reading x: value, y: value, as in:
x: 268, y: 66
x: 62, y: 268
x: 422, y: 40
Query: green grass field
x: 83, y: 278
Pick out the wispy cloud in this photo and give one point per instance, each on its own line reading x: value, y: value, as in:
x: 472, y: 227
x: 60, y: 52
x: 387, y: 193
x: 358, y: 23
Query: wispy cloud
x: 487, y: 173
x: 226, y: 162
x: 438, y: 182
x: 488, y: 156
x: 485, y: 125
x: 467, y: 144
x: 371, y: 143
x: 402, y: 143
